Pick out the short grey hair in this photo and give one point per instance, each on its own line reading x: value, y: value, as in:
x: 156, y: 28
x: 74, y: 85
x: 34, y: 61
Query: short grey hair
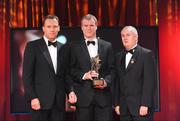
x: 130, y: 28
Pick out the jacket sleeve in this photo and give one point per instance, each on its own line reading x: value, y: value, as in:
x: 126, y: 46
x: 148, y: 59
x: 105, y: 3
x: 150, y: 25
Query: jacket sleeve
x: 116, y: 84
x: 150, y: 80
x: 28, y: 72
x: 76, y: 73
x: 68, y: 78
x: 110, y: 66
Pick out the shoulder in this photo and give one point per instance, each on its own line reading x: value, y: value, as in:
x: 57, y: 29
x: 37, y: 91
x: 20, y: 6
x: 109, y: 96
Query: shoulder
x: 144, y: 50
x: 35, y: 42
x: 71, y: 47
x: 60, y: 44
x: 63, y: 47
x: 104, y: 42
x: 76, y: 44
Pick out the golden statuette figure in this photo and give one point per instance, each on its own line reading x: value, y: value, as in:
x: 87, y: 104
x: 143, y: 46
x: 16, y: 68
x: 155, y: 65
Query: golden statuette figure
x: 95, y: 66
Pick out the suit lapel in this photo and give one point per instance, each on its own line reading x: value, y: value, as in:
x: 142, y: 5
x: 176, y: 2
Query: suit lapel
x: 122, y: 61
x: 85, y: 51
x: 44, y: 49
x: 100, y: 48
x: 59, y: 45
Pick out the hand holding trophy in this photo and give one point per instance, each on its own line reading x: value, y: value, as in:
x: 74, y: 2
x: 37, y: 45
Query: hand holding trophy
x: 95, y: 66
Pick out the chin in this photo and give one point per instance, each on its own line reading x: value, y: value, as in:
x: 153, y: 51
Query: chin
x: 52, y: 38
x: 127, y: 47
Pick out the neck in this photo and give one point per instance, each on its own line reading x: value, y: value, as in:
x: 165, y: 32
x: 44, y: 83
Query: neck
x: 90, y: 38
x: 129, y: 48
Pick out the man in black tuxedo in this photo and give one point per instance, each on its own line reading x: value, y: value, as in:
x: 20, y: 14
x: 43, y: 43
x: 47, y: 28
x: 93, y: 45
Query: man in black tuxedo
x: 93, y: 102
x: 136, y: 79
x: 44, y: 74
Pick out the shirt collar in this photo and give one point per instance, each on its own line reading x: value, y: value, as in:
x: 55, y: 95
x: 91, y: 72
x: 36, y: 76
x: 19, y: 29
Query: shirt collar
x: 46, y: 40
x: 133, y: 47
x: 95, y: 39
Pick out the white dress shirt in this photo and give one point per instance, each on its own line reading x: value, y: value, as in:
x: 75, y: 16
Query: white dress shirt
x: 52, y: 52
x: 129, y: 56
x: 92, y: 49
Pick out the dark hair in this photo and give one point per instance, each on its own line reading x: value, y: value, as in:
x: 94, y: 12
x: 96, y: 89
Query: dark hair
x: 89, y: 17
x: 50, y: 16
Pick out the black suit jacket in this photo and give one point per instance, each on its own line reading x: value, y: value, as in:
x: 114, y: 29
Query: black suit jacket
x: 80, y: 64
x: 40, y: 79
x: 135, y: 85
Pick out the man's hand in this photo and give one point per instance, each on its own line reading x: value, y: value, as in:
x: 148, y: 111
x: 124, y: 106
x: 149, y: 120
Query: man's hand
x: 94, y: 74
x: 35, y: 104
x: 143, y: 111
x: 89, y: 75
x: 72, y: 98
x: 117, y: 110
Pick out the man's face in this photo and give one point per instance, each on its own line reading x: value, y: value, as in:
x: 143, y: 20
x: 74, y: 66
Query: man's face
x: 89, y: 28
x: 51, y: 29
x: 129, y: 39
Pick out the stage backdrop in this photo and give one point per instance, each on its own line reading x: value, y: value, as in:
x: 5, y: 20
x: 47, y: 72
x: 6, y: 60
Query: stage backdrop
x: 164, y: 13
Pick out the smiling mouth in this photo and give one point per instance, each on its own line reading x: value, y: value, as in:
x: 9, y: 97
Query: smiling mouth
x: 52, y: 33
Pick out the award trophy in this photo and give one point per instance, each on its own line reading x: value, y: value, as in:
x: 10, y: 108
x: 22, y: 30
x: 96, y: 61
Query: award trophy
x: 95, y: 66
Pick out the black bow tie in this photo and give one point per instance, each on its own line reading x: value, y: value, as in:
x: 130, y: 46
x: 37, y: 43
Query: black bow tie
x: 130, y: 51
x: 90, y: 42
x: 52, y: 43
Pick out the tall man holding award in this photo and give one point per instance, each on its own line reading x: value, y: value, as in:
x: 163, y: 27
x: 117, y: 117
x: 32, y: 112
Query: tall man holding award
x: 91, y: 69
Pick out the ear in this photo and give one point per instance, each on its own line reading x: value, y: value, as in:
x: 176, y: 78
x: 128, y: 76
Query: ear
x: 81, y: 28
x: 43, y: 28
x: 59, y: 29
x: 96, y: 27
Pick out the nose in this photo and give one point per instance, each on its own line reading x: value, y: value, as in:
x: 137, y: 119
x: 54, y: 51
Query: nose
x: 52, y: 30
x: 88, y: 27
